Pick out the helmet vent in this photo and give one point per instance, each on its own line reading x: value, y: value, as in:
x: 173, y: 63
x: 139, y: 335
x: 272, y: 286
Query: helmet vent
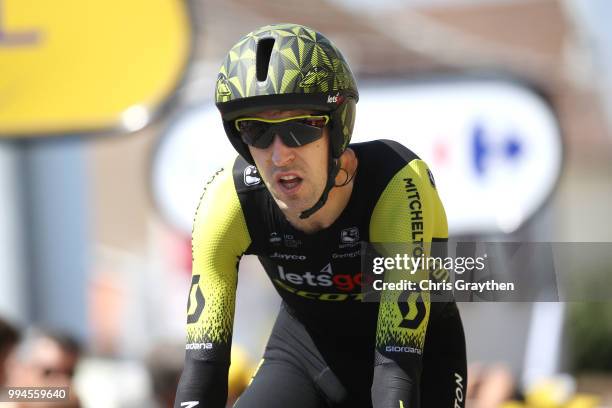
x: 264, y: 51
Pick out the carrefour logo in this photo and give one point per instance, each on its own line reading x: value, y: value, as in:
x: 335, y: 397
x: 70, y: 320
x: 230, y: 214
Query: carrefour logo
x: 484, y: 149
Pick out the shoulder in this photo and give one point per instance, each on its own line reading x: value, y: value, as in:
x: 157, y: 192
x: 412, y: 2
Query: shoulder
x: 225, y: 186
x: 383, y: 162
x: 238, y: 205
x: 402, y: 192
x: 383, y: 154
x: 219, y: 210
x: 246, y: 177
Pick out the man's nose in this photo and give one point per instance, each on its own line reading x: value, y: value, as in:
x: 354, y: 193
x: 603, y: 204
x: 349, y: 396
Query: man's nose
x: 281, y: 153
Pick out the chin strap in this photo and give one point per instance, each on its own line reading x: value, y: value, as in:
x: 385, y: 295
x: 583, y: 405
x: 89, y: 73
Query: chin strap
x: 332, y: 171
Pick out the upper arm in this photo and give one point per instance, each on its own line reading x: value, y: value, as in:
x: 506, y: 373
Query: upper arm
x: 220, y: 237
x: 409, y: 199
x: 408, y: 212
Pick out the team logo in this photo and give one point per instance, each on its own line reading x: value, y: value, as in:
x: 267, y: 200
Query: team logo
x: 353, y: 254
x: 349, y: 235
x: 275, y: 238
x: 223, y: 87
x: 341, y: 79
x: 291, y: 242
x: 251, y: 176
x: 403, y: 349
x: 196, y: 302
x: 314, y: 77
x: 288, y: 257
x: 431, y: 178
x: 459, y: 395
x: 337, y: 99
x: 325, y: 278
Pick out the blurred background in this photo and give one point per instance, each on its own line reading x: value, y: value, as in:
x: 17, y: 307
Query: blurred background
x: 108, y: 134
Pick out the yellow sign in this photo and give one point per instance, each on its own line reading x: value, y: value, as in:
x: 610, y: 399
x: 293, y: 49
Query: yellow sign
x: 87, y: 65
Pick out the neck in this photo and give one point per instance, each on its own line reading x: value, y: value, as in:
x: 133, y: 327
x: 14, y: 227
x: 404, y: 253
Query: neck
x: 336, y: 202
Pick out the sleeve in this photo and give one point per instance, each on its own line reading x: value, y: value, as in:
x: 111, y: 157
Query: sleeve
x: 408, y: 213
x: 220, y: 237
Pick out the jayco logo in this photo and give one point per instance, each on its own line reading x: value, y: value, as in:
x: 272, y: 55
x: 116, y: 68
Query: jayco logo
x: 289, y: 257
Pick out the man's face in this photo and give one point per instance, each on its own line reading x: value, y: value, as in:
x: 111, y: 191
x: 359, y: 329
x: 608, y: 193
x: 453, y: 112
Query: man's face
x: 50, y: 362
x: 5, y: 354
x: 295, y: 176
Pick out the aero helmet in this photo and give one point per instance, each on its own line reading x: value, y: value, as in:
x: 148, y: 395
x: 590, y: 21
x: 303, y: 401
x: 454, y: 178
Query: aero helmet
x: 288, y: 66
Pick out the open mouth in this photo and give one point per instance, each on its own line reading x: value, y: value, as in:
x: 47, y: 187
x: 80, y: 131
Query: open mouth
x: 290, y: 183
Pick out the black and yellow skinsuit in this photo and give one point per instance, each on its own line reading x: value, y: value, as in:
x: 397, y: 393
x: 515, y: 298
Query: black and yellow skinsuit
x: 327, y: 348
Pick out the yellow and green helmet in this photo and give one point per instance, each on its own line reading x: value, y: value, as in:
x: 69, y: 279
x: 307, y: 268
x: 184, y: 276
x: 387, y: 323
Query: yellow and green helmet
x: 287, y: 66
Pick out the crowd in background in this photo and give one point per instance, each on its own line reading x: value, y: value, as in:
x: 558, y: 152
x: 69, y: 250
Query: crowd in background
x: 38, y: 357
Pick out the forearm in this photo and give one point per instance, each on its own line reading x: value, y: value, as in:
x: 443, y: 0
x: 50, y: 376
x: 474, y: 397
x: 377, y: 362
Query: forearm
x: 203, y: 384
x: 395, y: 386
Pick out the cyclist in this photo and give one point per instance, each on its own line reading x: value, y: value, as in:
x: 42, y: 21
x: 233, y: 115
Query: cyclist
x: 302, y: 200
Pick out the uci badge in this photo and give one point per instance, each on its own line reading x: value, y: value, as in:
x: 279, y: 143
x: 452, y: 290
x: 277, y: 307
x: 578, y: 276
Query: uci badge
x: 251, y: 176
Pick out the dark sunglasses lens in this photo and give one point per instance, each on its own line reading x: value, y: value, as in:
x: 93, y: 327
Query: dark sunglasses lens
x: 296, y: 134
x: 260, y: 141
x: 255, y: 133
x: 293, y: 133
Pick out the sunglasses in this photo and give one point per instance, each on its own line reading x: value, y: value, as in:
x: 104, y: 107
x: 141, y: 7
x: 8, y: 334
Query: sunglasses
x: 295, y: 131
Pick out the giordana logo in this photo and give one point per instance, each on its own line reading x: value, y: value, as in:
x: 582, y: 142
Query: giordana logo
x: 337, y: 98
x: 199, y: 346
x: 275, y: 238
x: 403, y: 349
x: 251, y: 176
x: 349, y: 235
x: 190, y: 404
x: 288, y: 257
